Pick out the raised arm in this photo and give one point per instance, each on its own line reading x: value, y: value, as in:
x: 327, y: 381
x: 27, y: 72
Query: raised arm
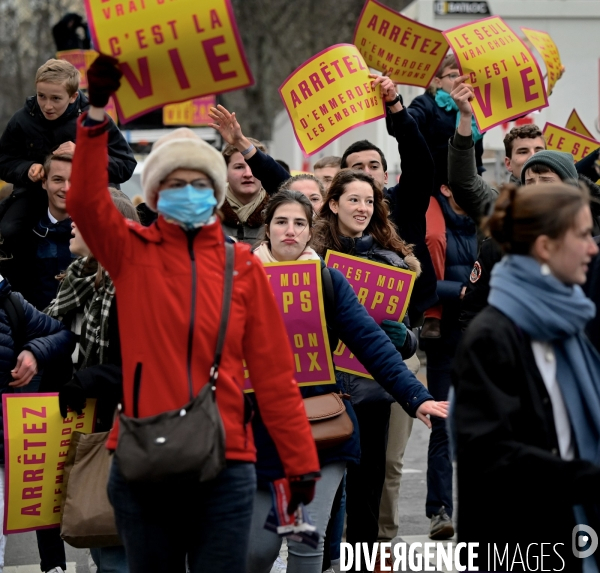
x: 470, y: 190
x: 410, y: 198
x: 89, y: 203
x: 263, y: 166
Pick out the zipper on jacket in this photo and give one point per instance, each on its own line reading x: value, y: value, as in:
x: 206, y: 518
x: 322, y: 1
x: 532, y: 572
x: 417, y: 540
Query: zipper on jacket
x: 137, y: 381
x: 192, y: 314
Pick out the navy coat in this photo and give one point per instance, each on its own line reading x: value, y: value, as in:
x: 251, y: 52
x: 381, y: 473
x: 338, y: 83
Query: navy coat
x: 29, y: 138
x: 45, y: 337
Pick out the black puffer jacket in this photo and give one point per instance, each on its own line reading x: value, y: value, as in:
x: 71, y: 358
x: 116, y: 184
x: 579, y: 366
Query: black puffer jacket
x: 29, y: 138
x: 46, y: 338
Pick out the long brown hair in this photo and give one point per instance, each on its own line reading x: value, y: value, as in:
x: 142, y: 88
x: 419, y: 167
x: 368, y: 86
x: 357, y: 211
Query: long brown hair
x: 327, y: 232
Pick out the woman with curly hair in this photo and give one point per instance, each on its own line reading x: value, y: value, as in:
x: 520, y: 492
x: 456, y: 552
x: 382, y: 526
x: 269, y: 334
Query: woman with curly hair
x: 354, y: 219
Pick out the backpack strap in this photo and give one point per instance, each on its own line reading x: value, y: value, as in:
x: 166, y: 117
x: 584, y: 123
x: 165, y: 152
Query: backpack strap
x: 15, y: 313
x: 330, y: 310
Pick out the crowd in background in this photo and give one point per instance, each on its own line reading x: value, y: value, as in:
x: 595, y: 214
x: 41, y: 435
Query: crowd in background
x: 497, y: 307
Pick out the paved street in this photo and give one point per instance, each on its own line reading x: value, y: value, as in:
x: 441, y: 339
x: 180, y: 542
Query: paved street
x: 22, y: 550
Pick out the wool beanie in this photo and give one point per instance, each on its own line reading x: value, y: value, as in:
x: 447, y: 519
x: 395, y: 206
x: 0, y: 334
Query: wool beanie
x: 182, y: 149
x: 558, y: 161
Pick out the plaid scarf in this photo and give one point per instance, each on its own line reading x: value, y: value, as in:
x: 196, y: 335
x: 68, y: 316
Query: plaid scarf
x: 77, y: 293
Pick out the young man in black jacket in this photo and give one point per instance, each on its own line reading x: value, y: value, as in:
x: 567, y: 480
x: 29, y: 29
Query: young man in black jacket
x: 47, y: 125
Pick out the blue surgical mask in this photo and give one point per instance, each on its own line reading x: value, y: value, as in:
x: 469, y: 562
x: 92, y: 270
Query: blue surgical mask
x: 188, y: 206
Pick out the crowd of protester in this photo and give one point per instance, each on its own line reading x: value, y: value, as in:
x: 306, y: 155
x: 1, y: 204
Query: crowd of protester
x: 497, y: 308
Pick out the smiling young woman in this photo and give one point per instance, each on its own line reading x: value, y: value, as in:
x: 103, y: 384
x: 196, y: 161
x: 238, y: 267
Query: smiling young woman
x: 354, y: 220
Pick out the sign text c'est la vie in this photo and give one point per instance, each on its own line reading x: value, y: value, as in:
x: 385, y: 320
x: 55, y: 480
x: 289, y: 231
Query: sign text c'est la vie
x: 505, y: 76
x: 409, y: 52
x: 169, y: 51
x: 329, y: 95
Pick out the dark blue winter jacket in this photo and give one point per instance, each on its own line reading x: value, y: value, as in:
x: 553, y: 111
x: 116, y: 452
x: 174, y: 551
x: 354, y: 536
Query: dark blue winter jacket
x: 461, y: 254
x: 409, y: 199
x: 371, y: 345
x: 45, y: 337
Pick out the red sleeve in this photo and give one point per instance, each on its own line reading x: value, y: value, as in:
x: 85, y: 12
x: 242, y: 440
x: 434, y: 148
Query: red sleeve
x: 89, y: 203
x: 271, y: 367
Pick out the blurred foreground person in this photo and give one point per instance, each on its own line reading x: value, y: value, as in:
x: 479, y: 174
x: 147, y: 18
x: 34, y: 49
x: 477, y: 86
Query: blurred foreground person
x: 527, y: 409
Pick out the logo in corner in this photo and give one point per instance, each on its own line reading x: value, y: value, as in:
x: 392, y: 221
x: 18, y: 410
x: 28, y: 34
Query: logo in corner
x: 584, y: 535
x: 475, y: 273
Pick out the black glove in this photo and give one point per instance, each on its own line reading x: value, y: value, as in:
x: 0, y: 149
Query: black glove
x: 301, y: 492
x: 72, y: 396
x: 104, y: 79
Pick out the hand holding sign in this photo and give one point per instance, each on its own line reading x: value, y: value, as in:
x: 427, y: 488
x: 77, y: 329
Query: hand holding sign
x: 387, y: 88
x: 462, y: 94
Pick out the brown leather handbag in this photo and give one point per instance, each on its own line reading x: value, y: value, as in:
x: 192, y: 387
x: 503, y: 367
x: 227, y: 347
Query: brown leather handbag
x: 329, y: 421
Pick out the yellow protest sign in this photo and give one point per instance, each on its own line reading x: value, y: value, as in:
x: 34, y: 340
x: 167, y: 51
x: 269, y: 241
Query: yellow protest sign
x: 36, y: 441
x: 329, y: 95
x: 169, y: 51
x: 574, y: 123
x: 505, y: 76
x: 544, y: 44
x: 561, y: 139
x: 410, y: 52
x: 192, y: 112
x: 81, y: 59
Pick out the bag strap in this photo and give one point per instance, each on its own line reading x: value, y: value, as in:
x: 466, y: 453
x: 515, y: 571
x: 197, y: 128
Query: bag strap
x: 227, y: 290
x: 330, y: 308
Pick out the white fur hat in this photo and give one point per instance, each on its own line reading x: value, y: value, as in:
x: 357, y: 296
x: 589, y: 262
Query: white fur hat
x: 182, y: 149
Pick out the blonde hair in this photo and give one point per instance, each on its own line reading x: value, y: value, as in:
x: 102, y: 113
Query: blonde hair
x: 59, y: 72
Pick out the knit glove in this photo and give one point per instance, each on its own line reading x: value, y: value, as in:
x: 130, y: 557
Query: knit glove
x: 300, y: 492
x: 104, y: 79
x: 72, y: 396
x: 396, y: 332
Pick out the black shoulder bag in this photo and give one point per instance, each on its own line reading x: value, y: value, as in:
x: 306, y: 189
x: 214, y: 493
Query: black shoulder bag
x: 184, y: 443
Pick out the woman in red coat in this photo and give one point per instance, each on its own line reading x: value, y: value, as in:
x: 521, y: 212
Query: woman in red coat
x: 169, y: 279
